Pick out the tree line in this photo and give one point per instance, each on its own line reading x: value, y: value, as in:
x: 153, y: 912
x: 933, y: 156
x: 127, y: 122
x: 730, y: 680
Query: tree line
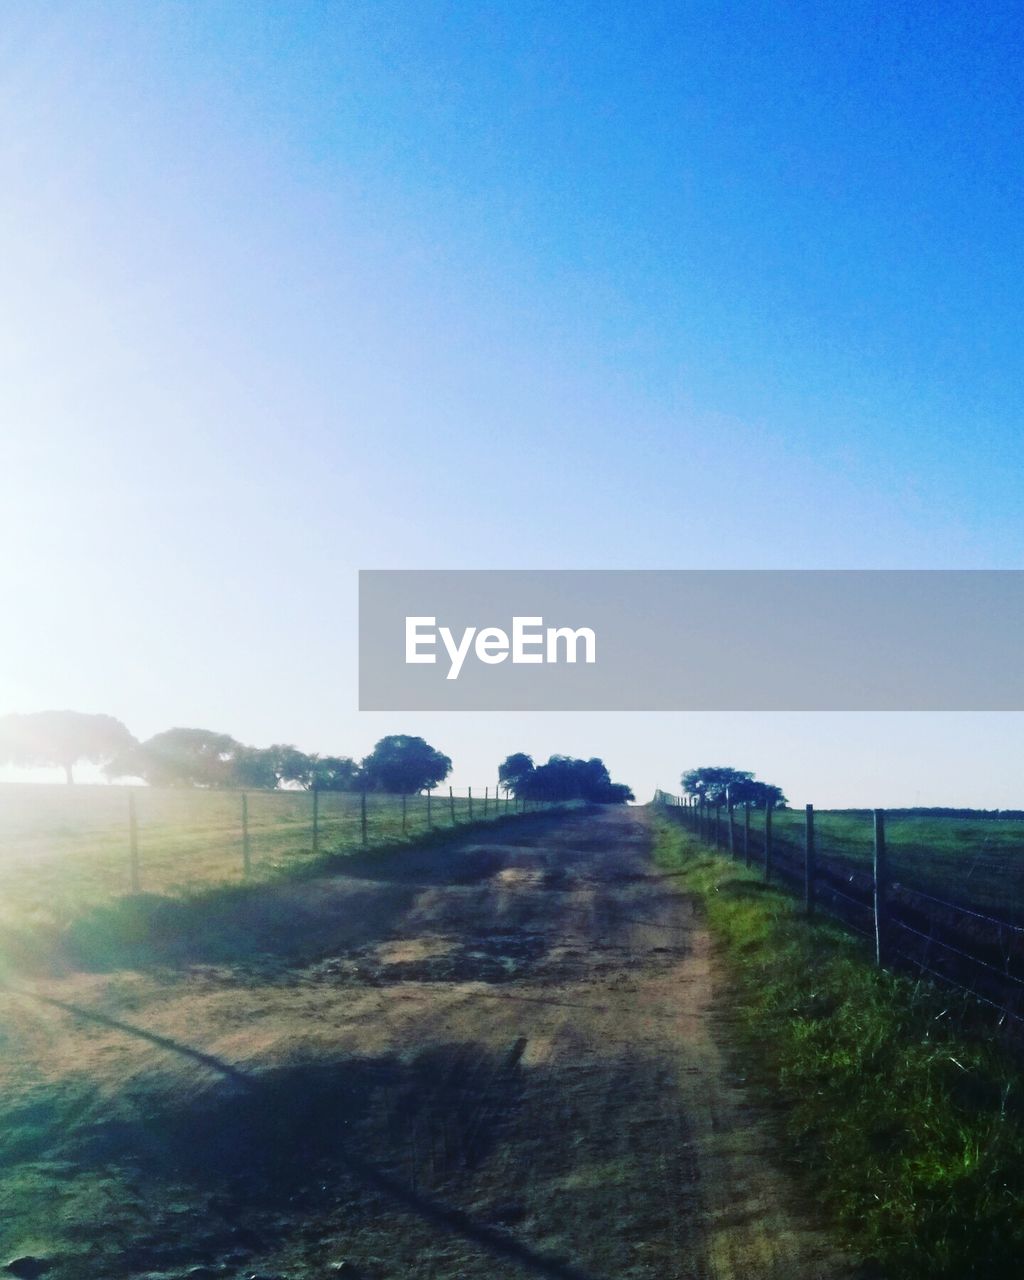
x: 399, y: 763
x: 562, y: 778
x: 183, y: 757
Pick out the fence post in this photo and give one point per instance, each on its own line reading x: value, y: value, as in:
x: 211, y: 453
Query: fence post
x: 718, y: 826
x: 404, y: 825
x: 451, y: 804
x: 362, y: 815
x: 809, y: 859
x: 487, y: 791
x: 746, y: 834
x: 430, y: 820
x: 316, y: 820
x: 246, y: 851
x: 732, y: 833
x: 133, y: 845
x: 700, y: 818
x: 469, y: 792
x: 880, y: 877
x: 767, y: 841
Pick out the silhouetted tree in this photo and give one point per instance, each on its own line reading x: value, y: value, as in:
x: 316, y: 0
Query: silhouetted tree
x: 717, y: 783
x: 513, y: 772
x: 711, y: 781
x: 335, y: 773
x: 61, y: 738
x: 401, y: 763
x: 757, y: 794
x: 566, y: 778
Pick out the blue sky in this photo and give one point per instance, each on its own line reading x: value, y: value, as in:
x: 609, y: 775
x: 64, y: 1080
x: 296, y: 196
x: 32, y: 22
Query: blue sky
x: 295, y: 289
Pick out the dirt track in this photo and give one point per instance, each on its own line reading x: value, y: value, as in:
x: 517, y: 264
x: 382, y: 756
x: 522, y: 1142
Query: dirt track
x: 491, y: 1059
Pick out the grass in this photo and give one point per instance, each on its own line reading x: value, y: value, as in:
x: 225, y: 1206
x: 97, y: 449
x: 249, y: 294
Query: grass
x: 907, y: 1123
x: 976, y: 861
x: 64, y: 851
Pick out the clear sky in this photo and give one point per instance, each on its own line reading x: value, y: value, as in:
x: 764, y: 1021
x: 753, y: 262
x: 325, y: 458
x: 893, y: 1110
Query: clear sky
x: 290, y: 290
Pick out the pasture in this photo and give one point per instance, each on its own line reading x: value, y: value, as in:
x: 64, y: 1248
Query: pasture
x: 64, y: 850
x: 976, y: 862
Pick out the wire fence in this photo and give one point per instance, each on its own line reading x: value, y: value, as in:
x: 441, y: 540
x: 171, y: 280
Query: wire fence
x: 923, y: 903
x: 62, y: 848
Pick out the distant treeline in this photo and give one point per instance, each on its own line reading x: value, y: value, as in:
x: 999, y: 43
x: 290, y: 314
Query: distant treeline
x: 399, y: 763
x: 940, y: 811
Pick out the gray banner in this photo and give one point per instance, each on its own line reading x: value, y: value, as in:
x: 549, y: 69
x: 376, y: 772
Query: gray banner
x: 691, y: 640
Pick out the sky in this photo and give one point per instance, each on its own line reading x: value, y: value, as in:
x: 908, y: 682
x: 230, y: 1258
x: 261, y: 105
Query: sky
x: 290, y: 290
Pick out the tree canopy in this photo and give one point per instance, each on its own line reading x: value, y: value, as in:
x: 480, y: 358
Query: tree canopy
x: 187, y: 758
x: 562, y: 778
x: 335, y: 773
x: 717, y: 784
x: 401, y: 763
x: 513, y: 771
x: 61, y: 738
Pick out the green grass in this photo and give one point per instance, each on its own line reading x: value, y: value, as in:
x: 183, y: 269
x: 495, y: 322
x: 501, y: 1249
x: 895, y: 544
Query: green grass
x: 906, y: 1120
x: 65, y: 850
x: 977, y: 861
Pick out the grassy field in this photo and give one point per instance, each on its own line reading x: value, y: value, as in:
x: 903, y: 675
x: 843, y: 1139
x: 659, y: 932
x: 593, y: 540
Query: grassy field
x: 975, y: 861
x: 66, y: 849
x: 907, y: 1123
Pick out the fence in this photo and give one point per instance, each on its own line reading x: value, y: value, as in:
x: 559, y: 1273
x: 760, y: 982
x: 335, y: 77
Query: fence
x: 64, y: 847
x: 918, y: 904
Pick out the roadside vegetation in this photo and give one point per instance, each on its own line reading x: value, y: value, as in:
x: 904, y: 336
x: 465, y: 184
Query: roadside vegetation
x: 902, y: 1106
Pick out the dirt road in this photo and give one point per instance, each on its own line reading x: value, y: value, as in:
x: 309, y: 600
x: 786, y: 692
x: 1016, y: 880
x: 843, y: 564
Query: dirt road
x: 479, y: 1060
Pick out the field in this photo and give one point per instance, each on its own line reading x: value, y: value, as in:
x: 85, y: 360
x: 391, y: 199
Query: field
x: 66, y: 849
x: 977, y: 862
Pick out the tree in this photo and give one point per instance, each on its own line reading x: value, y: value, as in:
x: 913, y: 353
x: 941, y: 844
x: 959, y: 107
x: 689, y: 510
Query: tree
x: 405, y: 764
x: 513, y: 772
x: 61, y: 738
x: 290, y: 765
x: 253, y: 767
x: 711, y: 782
x: 566, y: 778
x: 334, y: 773
x: 718, y: 783
x: 181, y: 758
x: 758, y: 794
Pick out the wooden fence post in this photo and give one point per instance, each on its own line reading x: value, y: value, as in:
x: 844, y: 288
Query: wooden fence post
x: 469, y: 792
x: 246, y: 850
x: 746, y: 834
x: 362, y: 815
x: 133, y: 845
x: 809, y: 859
x: 767, y: 841
x: 451, y: 804
x: 880, y: 876
x: 718, y: 826
x: 316, y: 820
x: 486, y: 794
